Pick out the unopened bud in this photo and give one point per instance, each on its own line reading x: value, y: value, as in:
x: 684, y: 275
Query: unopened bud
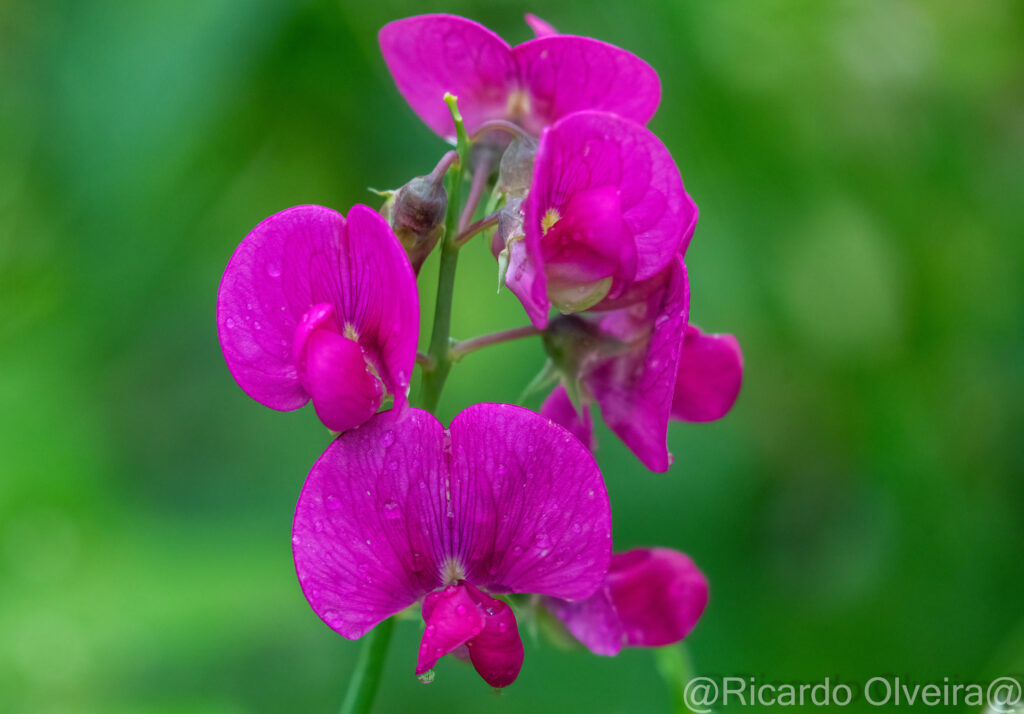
x: 516, y: 169
x: 416, y: 213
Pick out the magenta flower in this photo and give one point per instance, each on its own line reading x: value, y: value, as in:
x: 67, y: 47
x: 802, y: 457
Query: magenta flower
x: 626, y: 360
x: 710, y: 375
x: 605, y: 210
x: 532, y: 84
x: 650, y: 598
x: 643, y: 365
x: 558, y: 407
x: 312, y: 306
x: 401, y: 510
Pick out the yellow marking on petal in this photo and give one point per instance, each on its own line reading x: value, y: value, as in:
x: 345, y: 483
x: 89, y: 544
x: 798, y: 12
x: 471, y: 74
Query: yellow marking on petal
x: 350, y: 332
x: 551, y: 217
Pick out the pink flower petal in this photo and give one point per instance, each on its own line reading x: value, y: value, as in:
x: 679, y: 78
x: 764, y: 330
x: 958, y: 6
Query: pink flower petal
x: 541, y: 28
x: 650, y: 598
x: 560, y: 409
x: 452, y: 618
x: 504, y: 500
x: 364, y: 548
x: 564, y: 74
x: 344, y: 393
x: 497, y: 651
x: 529, y: 503
x: 590, y: 151
x: 256, y: 317
x: 378, y: 298
x: 430, y: 55
x: 658, y: 593
x: 594, y: 621
x: 526, y: 283
x: 710, y: 375
x: 354, y: 272
x: 634, y: 389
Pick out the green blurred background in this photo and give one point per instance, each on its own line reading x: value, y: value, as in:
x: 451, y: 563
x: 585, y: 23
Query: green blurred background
x: 858, y: 165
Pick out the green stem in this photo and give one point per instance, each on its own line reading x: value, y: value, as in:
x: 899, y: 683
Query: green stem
x: 434, y: 379
x: 363, y: 687
x: 440, y: 337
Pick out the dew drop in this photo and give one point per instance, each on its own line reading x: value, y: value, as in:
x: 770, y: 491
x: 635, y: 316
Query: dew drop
x: 318, y: 526
x: 517, y: 550
x: 274, y: 269
x: 387, y: 439
x: 391, y: 510
x: 502, y: 627
x: 460, y: 610
x: 333, y: 502
x: 230, y: 323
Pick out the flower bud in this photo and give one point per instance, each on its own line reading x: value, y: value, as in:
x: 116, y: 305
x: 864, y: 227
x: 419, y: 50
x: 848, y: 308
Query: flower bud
x: 416, y: 213
x: 516, y: 169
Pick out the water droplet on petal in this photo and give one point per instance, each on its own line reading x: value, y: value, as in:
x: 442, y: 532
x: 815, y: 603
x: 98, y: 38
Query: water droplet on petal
x: 392, y: 510
x: 318, y: 525
x: 387, y: 439
x: 274, y: 269
x: 230, y: 323
x: 502, y: 627
x: 333, y: 502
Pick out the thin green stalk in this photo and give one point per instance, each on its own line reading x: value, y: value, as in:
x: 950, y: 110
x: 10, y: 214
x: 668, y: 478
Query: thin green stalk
x: 440, y: 337
x: 363, y: 686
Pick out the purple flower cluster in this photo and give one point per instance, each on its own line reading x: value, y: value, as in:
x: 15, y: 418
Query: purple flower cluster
x: 590, y: 229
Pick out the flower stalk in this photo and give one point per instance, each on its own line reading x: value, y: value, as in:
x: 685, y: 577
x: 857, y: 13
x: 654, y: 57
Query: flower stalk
x: 465, y: 347
x: 362, y: 687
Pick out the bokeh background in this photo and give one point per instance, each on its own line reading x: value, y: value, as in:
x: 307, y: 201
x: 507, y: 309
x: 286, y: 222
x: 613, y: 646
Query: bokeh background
x: 858, y: 165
